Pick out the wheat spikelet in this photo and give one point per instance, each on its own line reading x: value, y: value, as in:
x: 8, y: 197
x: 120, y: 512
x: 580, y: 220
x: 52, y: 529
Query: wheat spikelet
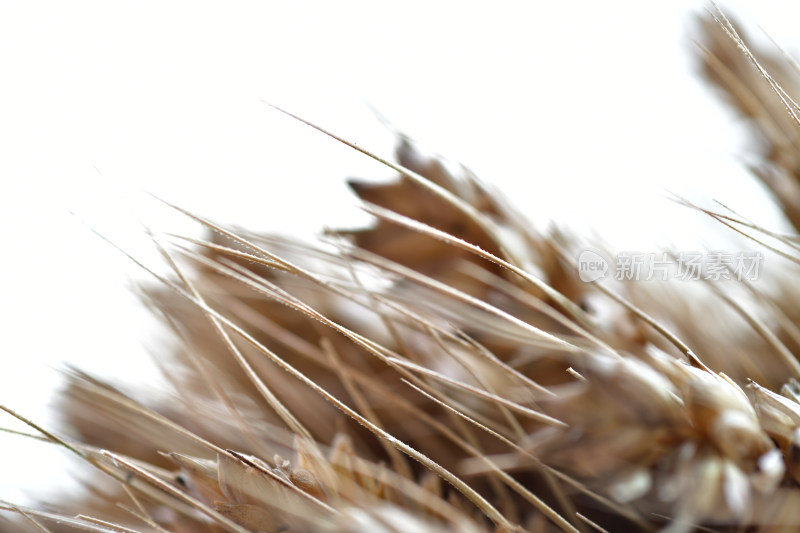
x: 447, y: 370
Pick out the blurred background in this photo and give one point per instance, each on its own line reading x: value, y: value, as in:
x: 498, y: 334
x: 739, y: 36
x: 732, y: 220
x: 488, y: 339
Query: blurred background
x: 586, y: 114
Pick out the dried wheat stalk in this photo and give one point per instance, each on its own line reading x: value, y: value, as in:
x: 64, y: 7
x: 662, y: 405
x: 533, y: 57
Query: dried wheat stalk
x: 446, y: 370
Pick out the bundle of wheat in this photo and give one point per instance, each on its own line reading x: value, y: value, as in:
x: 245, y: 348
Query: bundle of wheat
x: 448, y: 370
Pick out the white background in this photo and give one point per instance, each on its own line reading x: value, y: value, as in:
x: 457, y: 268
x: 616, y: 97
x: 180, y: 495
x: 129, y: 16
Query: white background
x: 585, y: 113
